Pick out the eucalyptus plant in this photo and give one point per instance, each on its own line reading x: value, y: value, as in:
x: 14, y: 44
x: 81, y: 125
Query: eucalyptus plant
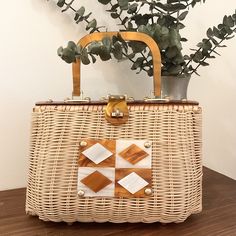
x: 163, y: 22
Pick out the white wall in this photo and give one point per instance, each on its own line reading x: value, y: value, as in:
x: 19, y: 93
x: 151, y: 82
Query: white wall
x: 31, y: 32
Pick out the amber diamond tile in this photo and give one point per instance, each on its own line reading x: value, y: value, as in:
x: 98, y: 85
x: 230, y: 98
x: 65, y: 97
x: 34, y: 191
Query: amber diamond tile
x: 133, y: 154
x: 96, y: 181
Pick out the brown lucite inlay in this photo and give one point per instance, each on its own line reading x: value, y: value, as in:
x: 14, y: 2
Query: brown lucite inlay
x: 133, y: 154
x: 96, y: 181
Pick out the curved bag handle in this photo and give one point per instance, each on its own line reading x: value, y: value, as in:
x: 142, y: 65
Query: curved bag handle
x: 128, y: 36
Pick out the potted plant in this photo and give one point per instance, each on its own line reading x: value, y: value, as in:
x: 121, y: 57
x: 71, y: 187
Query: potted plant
x: 163, y: 22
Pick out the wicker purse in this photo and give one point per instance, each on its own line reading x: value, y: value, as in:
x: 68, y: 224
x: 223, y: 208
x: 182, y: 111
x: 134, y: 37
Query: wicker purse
x: 115, y: 160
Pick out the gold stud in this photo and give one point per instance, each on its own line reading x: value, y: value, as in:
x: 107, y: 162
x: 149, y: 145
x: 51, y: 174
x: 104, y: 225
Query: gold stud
x: 80, y: 193
x: 147, y: 144
x: 148, y: 191
x: 83, y: 144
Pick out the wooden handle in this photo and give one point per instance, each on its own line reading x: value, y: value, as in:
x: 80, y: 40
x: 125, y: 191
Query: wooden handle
x: 128, y: 36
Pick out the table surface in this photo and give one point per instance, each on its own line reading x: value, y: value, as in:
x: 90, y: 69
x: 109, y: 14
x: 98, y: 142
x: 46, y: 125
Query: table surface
x: 218, y: 217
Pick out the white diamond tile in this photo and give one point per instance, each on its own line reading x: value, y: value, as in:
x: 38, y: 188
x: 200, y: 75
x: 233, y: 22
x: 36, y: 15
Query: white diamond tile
x: 97, y: 153
x: 108, y: 191
x: 122, y: 163
x: 133, y: 182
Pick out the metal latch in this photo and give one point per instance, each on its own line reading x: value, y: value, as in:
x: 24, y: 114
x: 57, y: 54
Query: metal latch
x: 116, y: 111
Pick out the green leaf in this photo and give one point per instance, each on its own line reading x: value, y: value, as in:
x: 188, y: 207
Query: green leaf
x: 84, y: 57
x: 123, y: 42
x: 123, y: 4
x: 115, y: 15
x: 137, y: 63
x: 171, y: 52
x: 203, y: 63
x: 93, y: 58
x: 107, y: 42
x: 72, y: 45
x: 117, y: 51
x: 68, y: 6
x: 210, y: 33
x: 68, y: 55
x: 91, y: 24
x: 174, y: 69
x: 137, y: 46
x: 94, y: 47
x: 197, y: 56
x: 60, y: 3
x: 228, y: 21
x: 104, y: 2
x: 132, y: 8
x: 104, y: 53
x: 229, y: 37
x: 81, y: 11
x: 183, y: 15
x: 183, y: 40
x: 60, y: 51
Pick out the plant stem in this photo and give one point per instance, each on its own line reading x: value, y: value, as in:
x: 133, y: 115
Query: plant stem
x: 194, y: 70
x: 67, y: 4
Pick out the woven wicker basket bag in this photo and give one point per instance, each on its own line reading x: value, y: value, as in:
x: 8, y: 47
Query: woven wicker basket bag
x: 115, y: 160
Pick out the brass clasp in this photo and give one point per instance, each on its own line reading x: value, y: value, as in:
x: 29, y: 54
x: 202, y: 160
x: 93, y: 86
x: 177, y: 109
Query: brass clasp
x: 116, y: 111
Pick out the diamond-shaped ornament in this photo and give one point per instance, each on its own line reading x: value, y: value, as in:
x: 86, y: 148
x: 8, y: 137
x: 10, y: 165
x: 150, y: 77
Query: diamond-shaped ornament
x: 133, y: 154
x: 96, y: 181
x: 133, y: 182
x: 97, y: 153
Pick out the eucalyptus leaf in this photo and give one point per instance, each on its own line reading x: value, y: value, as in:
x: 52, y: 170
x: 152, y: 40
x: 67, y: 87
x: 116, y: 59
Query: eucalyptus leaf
x: 68, y: 55
x: 72, y: 45
x: 91, y: 24
x: 123, y: 4
x: 115, y: 15
x: 117, y: 51
x: 104, y: 53
x: 81, y: 11
x: 137, y: 46
x: 183, y: 15
x: 93, y: 58
x: 84, y: 57
x: 105, y: 2
x: 107, y: 42
x: 60, y: 3
x: 60, y: 51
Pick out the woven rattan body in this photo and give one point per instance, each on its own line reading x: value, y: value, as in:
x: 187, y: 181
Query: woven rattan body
x: 175, y: 131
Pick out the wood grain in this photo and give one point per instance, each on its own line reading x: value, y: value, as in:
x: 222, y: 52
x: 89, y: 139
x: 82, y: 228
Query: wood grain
x: 96, y: 181
x: 218, y: 217
x: 133, y: 154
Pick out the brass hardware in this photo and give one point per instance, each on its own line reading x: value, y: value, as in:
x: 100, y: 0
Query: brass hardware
x: 86, y: 99
x: 148, y: 99
x: 148, y: 191
x: 81, y: 193
x: 130, y: 99
x: 103, y: 99
x: 116, y: 111
x: 147, y: 144
x: 117, y: 114
x: 83, y: 144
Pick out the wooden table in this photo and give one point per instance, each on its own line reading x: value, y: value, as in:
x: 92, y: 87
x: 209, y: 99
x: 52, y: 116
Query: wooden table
x: 218, y: 217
